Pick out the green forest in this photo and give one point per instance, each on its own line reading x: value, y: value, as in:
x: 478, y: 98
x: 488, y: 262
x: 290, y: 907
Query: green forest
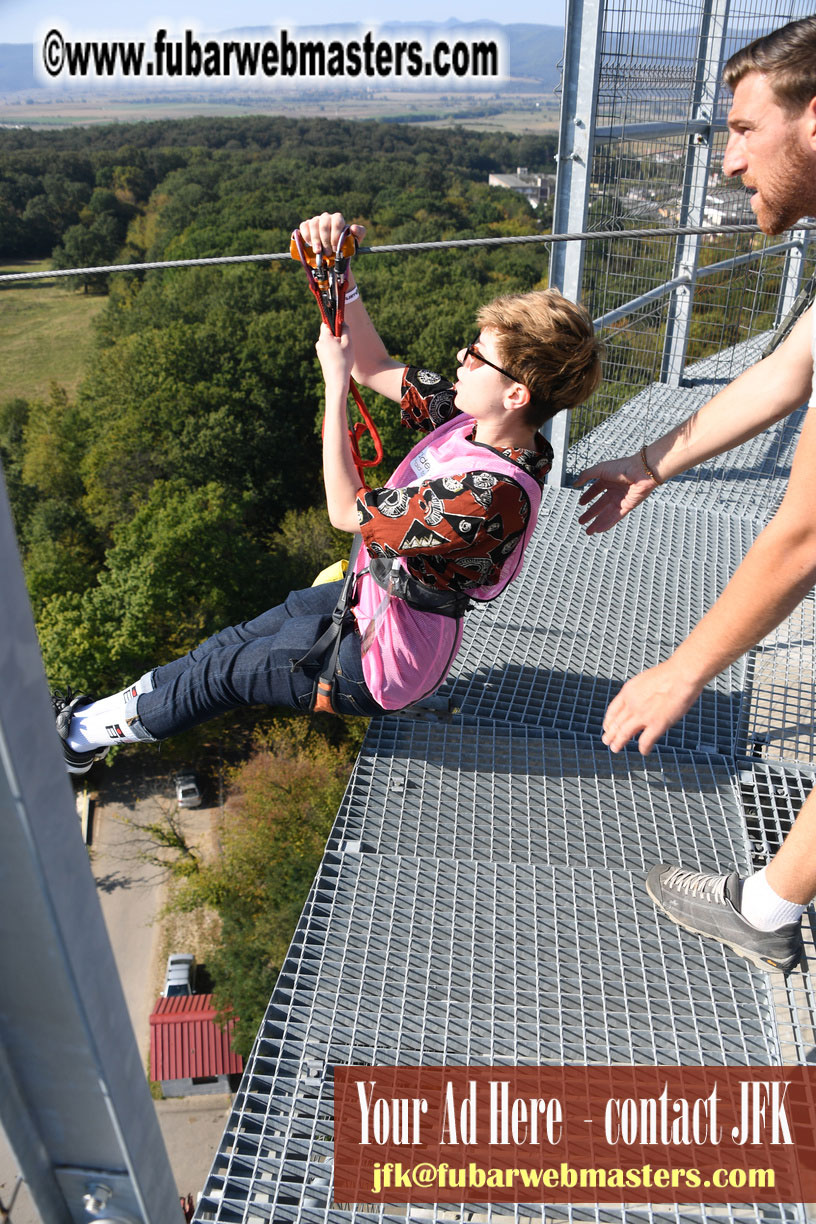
x: 179, y: 489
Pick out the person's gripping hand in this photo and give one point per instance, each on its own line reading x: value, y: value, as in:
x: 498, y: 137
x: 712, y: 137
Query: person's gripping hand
x: 647, y: 706
x: 322, y: 233
x: 616, y: 488
x: 336, y: 357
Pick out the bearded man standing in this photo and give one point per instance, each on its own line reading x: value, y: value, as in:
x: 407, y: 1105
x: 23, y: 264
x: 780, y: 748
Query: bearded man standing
x: 772, y: 145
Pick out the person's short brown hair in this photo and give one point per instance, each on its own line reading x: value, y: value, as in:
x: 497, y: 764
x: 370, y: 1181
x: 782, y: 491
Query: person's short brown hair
x: 550, y: 345
x: 787, y: 57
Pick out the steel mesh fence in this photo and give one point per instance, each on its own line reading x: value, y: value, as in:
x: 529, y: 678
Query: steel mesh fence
x: 651, y: 92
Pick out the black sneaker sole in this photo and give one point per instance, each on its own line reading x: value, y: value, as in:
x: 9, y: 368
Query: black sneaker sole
x: 748, y: 954
x: 82, y: 762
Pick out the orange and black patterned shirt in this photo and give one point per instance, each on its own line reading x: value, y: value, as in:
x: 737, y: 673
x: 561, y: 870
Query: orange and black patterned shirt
x: 455, y: 531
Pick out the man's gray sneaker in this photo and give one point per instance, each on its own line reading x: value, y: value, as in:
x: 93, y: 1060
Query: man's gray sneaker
x: 65, y: 706
x: 709, y: 905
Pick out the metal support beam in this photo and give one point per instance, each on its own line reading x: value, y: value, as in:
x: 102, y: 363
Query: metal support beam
x: 659, y: 127
x: 582, y: 65
x: 74, y: 1100
x: 792, y: 273
x: 654, y: 295
x: 695, y: 183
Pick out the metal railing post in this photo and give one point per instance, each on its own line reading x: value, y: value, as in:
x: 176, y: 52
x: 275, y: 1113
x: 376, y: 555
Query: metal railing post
x: 792, y: 274
x: 582, y: 65
x: 74, y: 1100
x: 695, y: 184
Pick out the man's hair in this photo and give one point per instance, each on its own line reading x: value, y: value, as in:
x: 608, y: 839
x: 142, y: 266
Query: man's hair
x: 787, y: 57
x: 550, y: 345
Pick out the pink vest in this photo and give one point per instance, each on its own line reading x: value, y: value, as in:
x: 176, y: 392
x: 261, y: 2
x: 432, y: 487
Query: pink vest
x: 407, y: 653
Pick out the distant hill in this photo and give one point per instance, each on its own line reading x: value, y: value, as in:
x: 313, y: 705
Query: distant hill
x: 534, y: 51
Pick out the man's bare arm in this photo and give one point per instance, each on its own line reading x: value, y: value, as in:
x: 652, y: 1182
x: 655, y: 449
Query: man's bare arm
x: 777, y: 573
x: 762, y: 395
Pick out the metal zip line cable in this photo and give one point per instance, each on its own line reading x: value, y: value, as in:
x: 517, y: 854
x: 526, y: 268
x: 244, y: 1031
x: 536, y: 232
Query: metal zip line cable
x: 590, y: 236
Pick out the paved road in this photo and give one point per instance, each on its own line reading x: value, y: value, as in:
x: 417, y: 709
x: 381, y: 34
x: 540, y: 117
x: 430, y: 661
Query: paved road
x: 130, y: 890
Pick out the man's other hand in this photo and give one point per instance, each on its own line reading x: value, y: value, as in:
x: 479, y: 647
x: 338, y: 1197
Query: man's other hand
x: 648, y: 705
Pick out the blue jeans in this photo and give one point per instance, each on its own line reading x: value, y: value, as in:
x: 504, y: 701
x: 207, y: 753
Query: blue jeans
x: 251, y: 664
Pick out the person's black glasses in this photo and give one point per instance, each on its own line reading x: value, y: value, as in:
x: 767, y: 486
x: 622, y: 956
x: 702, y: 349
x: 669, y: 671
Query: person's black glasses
x: 472, y: 351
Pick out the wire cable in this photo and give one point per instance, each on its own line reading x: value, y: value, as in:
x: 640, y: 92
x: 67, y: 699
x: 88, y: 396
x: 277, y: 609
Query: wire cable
x: 405, y: 247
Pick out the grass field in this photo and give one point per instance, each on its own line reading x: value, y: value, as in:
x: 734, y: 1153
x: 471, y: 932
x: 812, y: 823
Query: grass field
x: 45, y: 334
x: 520, y: 113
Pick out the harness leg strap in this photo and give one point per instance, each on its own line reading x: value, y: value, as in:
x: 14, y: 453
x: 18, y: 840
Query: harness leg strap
x: 325, y: 651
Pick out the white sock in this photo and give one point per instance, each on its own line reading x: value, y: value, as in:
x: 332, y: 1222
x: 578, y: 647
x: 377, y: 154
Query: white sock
x: 764, y: 908
x: 143, y: 685
x: 102, y: 723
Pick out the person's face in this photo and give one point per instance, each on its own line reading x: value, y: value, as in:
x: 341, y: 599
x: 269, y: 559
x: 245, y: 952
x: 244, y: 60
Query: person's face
x: 774, y: 152
x: 478, y: 385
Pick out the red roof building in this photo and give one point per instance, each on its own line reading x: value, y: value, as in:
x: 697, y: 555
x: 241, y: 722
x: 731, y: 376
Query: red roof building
x: 187, y: 1045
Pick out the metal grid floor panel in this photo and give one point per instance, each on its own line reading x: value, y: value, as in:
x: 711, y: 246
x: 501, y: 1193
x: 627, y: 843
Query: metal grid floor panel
x: 749, y: 480
x: 549, y: 651
x: 781, y: 722
x: 453, y: 950
x: 771, y: 797
x: 416, y: 961
x: 482, y: 901
x: 503, y: 793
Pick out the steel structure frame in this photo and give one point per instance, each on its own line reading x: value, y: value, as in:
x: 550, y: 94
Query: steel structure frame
x: 74, y: 1100
x: 582, y: 135
x: 481, y: 898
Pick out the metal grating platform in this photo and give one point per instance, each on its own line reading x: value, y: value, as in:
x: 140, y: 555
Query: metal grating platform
x: 771, y: 796
x: 781, y: 722
x: 549, y: 651
x: 420, y: 961
x: 481, y: 899
x: 749, y: 480
x: 494, y: 793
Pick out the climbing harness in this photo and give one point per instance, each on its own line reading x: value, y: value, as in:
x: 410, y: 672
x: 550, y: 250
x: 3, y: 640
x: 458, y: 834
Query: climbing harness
x: 324, y: 653
x: 396, y: 581
x: 327, y: 277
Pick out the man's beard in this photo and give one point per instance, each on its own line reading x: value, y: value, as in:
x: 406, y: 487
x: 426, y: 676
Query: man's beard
x: 791, y: 193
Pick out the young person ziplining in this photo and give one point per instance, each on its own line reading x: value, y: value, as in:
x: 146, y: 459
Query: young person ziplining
x: 450, y: 526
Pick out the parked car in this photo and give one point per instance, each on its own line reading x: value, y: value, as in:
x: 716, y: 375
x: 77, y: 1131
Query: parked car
x: 188, y: 792
x: 178, y: 980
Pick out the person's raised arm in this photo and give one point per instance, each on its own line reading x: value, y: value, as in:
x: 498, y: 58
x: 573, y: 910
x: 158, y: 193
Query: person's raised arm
x: 373, y: 367
x: 340, y: 476
x: 756, y: 399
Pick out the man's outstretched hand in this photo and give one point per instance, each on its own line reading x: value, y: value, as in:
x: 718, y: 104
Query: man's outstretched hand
x: 617, y: 487
x: 647, y: 706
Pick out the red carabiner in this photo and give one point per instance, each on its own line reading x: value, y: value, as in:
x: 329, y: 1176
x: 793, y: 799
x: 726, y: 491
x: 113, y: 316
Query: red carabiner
x: 328, y: 284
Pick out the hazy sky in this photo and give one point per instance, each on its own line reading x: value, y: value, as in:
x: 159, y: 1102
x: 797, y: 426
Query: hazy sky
x: 23, y: 20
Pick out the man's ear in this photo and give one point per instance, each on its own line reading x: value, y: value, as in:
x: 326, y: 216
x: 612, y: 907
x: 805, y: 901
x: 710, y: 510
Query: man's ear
x: 810, y: 123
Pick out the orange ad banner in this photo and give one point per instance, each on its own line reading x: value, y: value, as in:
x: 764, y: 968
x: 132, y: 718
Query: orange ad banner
x: 575, y: 1134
